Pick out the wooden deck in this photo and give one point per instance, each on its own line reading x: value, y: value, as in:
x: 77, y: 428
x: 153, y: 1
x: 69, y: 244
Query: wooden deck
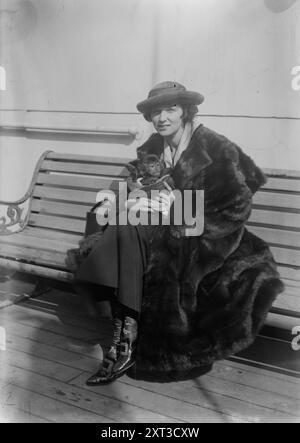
x: 52, y: 347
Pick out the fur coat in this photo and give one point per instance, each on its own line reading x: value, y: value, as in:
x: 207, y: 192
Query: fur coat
x: 205, y: 297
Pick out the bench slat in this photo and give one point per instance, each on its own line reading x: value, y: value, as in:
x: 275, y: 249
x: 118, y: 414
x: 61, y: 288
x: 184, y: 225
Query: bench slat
x: 282, y: 173
x: 36, y: 232
x: 40, y: 243
x: 292, y: 284
x: 292, y: 291
x: 68, y: 195
x: 282, y: 184
x: 279, y: 321
x: 94, y: 169
x: 285, y: 301
x: 35, y: 269
x: 60, y: 223
x: 282, y: 255
x: 88, y: 158
x: 286, y: 256
x: 279, y: 200
x: 277, y: 236
x: 275, y: 218
x: 292, y: 274
x: 78, y: 182
x: 33, y: 255
x: 89, y: 197
x: 54, y: 207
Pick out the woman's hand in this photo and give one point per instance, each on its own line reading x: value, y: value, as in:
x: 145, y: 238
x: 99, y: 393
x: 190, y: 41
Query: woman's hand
x: 165, y: 200
x: 162, y: 203
x: 142, y: 204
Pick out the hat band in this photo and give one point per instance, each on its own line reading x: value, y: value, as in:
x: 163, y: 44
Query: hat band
x: 158, y: 91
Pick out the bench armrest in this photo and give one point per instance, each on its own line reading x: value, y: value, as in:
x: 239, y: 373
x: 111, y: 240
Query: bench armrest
x: 16, y: 215
x: 14, y: 220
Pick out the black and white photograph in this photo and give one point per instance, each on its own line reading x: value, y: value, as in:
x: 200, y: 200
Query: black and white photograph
x: 149, y: 214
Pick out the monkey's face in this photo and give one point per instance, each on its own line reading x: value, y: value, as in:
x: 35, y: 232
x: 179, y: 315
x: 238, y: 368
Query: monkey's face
x: 154, y: 169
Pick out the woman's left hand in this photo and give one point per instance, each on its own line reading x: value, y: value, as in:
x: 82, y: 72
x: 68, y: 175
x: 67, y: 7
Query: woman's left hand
x: 165, y: 200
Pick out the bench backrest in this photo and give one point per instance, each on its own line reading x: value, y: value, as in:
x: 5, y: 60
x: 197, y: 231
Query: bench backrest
x: 276, y: 218
x: 67, y: 185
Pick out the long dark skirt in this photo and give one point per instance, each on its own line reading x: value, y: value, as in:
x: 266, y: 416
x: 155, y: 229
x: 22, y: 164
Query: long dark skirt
x: 117, y: 260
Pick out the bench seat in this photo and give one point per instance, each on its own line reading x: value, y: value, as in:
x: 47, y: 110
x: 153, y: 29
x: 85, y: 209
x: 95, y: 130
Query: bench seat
x: 64, y: 187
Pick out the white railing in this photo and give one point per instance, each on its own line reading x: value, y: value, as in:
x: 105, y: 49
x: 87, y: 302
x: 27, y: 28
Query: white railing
x: 126, y: 132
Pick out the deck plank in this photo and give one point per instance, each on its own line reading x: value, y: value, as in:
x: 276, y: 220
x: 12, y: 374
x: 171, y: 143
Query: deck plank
x: 55, y: 357
x: 30, y: 354
x: 167, y: 407
x: 52, y: 348
x: 181, y: 399
x: 65, y: 327
x: 238, y: 400
x: 105, y: 405
x: 36, y: 408
x: 225, y: 370
x: 38, y: 334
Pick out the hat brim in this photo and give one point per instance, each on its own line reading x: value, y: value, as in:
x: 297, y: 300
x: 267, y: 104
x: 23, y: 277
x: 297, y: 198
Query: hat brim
x: 174, y: 97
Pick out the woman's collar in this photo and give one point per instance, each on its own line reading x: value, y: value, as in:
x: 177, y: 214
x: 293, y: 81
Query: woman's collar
x: 183, y: 144
x: 193, y: 160
x: 187, y: 134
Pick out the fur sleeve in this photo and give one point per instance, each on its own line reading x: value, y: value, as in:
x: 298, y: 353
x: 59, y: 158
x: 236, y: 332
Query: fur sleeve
x: 229, y: 187
x: 254, y: 176
x: 134, y: 173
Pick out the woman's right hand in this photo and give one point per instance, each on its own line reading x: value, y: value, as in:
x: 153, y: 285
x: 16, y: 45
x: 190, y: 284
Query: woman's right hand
x: 142, y: 204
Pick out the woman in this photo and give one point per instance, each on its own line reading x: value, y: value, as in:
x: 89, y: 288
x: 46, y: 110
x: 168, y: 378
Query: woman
x: 182, y: 301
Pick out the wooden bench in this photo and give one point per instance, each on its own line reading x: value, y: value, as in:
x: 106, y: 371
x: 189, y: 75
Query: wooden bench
x: 37, y: 230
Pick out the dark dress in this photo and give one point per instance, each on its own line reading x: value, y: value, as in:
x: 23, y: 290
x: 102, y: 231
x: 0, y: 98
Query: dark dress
x: 118, y: 260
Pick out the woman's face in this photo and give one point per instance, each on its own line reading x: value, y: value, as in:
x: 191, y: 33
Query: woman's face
x: 167, y: 120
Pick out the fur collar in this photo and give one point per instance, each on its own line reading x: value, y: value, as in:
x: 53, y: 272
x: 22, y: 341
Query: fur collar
x: 191, y: 162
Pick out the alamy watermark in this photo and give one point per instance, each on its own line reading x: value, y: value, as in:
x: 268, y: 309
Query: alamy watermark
x: 296, y: 340
x: 296, y: 78
x: 2, y: 339
x: 2, y: 79
x: 124, y: 208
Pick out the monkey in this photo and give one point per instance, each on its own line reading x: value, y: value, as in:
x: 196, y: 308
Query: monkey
x: 154, y: 173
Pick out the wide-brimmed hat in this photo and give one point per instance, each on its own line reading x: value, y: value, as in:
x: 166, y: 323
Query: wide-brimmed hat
x: 165, y: 93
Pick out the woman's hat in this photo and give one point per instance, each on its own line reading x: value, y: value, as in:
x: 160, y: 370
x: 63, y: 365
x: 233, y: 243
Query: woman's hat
x: 166, y: 93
